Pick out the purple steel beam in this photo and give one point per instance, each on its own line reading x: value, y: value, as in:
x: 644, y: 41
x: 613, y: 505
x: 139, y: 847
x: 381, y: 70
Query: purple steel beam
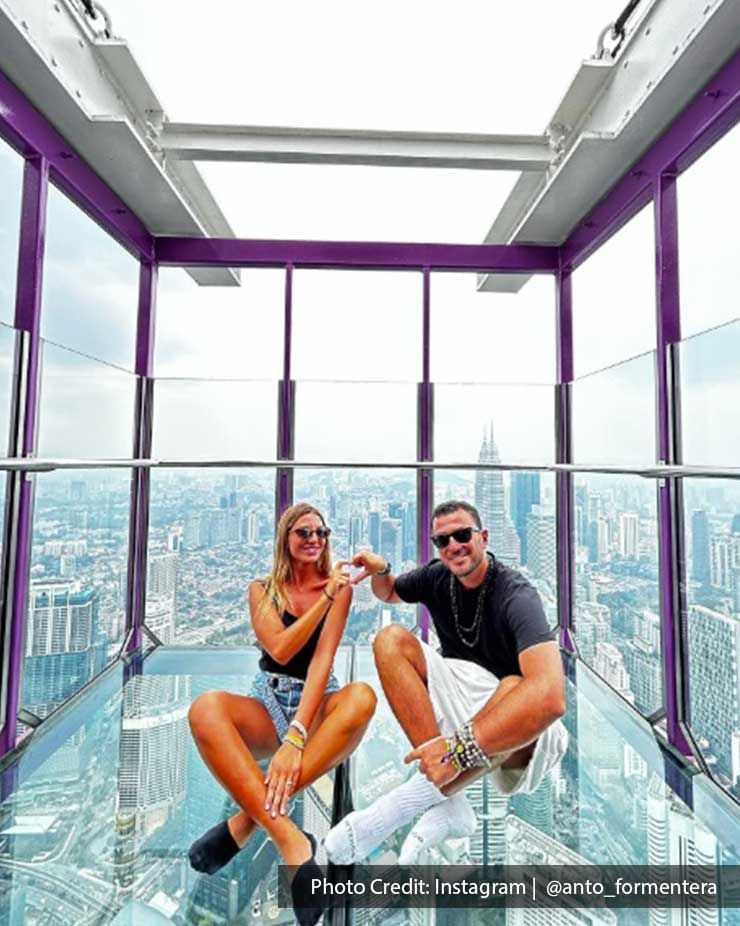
x: 30, y: 132
x: 710, y: 113
x: 425, y: 477
x: 229, y: 252
x: 564, y: 481
x: 27, y: 318
x: 141, y: 478
x: 668, y: 325
x: 285, y: 424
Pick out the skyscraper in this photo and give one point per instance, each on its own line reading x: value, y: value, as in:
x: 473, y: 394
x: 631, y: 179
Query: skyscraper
x: 700, y: 548
x: 490, y: 500
x: 525, y: 492
x: 542, y: 544
x: 629, y: 534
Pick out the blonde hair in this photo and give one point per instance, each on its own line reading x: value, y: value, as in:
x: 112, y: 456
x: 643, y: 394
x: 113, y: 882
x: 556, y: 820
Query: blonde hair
x: 282, y: 566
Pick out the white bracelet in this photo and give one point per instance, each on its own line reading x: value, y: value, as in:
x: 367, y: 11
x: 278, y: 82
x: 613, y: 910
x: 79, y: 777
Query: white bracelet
x: 299, y: 726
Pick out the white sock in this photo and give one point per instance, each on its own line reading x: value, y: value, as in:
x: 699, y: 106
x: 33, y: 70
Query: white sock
x: 454, y: 818
x: 355, y: 837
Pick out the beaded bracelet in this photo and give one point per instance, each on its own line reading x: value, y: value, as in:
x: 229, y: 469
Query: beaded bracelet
x: 463, y: 750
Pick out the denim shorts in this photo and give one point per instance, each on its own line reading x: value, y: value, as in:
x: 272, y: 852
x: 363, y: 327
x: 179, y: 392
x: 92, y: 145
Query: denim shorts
x: 281, y: 695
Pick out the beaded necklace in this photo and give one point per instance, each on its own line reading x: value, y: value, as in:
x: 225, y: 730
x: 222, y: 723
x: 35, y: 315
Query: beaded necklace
x: 475, y: 627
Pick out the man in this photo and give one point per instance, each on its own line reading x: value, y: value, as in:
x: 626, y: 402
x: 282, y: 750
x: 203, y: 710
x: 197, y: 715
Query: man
x: 489, y: 702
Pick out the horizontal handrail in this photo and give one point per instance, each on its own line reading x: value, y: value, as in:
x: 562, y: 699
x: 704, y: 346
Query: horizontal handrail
x: 657, y: 471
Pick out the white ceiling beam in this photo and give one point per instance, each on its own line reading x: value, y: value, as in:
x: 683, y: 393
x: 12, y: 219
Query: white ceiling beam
x: 198, y: 142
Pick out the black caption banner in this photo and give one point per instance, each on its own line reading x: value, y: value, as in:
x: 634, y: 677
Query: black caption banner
x: 541, y: 886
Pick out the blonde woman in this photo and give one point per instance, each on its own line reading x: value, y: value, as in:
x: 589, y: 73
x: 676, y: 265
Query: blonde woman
x: 295, y: 713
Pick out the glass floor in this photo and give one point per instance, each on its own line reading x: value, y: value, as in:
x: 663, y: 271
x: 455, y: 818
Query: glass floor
x: 100, y: 809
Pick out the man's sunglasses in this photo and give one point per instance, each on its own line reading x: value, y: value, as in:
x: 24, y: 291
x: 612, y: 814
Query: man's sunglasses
x: 462, y: 535
x: 305, y: 533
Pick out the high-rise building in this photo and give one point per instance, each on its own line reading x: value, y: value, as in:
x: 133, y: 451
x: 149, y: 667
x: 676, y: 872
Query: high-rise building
x: 700, y: 547
x: 490, y: 500
x: 373, y: 530
x: 391, y: 540
x: 542, y: 544
x: 719, y: 562
x: 525, y: 493
x: 609, y: 664
x: 629, y: 535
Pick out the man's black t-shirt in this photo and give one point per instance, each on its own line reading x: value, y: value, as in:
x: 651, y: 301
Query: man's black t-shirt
x: 513, y: 618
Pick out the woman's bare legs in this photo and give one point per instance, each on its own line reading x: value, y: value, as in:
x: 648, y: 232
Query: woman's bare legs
x: 337, y: 729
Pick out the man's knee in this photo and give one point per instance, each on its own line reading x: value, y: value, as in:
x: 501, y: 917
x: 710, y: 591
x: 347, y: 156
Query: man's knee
x: 394, y: 641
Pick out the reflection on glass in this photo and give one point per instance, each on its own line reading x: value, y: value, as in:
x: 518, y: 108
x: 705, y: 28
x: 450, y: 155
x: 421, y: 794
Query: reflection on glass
x: 210, y: 419
x: 614, y: 298
x: 220, y: 331
x: 101, y: 822
x: 367, y: 510
x: 91, y: 286
x: 521, y: 418
x: 712, y: 529
x: 617, y: 618
x: 709, y: 263
x: 350, y: 324
x: 210, y: 534
x: 11, y: 183
x: 76, y: 604
x: 479, y: 337
x: 518, y: 510
x: 86, y: 407
x: 355, y: 422
x: 710, y: 397
x: 613, y: 413
x: 7, y: 352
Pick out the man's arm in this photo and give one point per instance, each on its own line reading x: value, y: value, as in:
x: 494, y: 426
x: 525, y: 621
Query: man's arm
x: 383, y: 586
x: 529, y: 708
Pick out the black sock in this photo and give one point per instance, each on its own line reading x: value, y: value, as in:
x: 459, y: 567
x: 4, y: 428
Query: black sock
x: 213, y: 850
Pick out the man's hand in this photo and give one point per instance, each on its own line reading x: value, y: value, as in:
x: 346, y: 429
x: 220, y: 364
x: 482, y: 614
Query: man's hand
x: 370, y: 563
x: 430, y: 755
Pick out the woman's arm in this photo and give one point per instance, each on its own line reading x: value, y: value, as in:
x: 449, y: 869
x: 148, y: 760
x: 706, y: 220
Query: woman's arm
x: 323, y: 658
x: 282, y: 642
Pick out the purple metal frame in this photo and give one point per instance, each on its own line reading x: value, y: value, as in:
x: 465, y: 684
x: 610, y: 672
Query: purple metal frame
x: 286, y: 434
x: 27, y: 318
x: 425, y: 479
x: 708, y: 116
x: 564, y: 481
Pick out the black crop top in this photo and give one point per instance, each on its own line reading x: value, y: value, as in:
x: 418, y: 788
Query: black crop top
x: 297, y: 667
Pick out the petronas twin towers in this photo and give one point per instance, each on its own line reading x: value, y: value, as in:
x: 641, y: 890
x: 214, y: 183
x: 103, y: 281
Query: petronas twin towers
x: 490, y: 500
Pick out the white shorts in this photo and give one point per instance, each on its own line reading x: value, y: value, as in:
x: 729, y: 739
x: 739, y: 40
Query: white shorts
x: 459, y: 689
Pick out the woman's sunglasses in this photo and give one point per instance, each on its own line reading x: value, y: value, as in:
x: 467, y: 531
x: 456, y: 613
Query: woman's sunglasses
x: 462, y: 535
x: 305, y: 533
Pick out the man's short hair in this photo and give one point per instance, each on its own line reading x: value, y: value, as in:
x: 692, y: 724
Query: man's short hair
x: 454, y: 505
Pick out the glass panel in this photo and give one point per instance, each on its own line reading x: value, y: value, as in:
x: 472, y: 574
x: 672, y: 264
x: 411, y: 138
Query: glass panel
x: 357, y: 325
x: 617, y: 615
x: 367, y: 509
x: 513, y: 424
x: 220, y: 331
x: 518, y: 510
x: 86, y: 406
x: 337, y: 202
x: 212, y: 419
x: 614, y: 414
x: 482, y: 337
x: 710, y: 397
x: 709, y: 264
x: 614, y: 298
x: 108, y: 800
x: 712, y: 531
x: 91, y: 286
x: 363, y: 422
x: 210, y: 533
x: 7, y: 354
x: 75, y: 621
x: 11, y: 184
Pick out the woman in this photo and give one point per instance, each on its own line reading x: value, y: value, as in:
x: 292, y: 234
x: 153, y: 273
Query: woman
x: 296, y: 713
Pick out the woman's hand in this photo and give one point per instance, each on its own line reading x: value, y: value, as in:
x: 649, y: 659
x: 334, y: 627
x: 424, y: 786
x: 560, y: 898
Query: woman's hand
x: 282, y: 778
x: 338, y: 578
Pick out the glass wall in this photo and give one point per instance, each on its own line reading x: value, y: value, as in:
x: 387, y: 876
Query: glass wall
x: 76, y: 604
x: 210, y: 534
x: 11, y: 184
x: 617, y: 617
